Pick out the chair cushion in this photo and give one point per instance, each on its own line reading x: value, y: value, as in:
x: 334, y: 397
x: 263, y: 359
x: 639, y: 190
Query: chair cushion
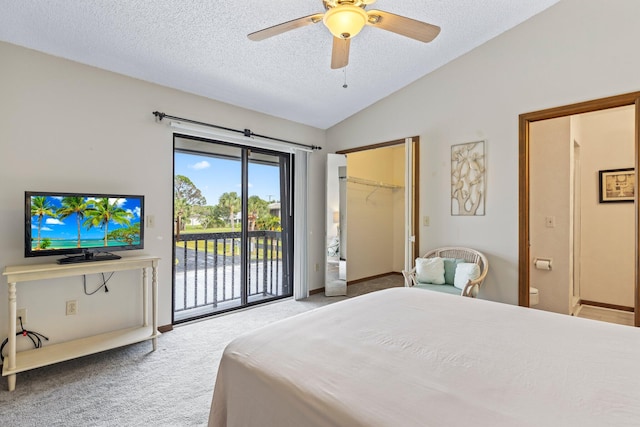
x: 430, y: 270
x: 449, y: 289
x: 465, y: 271
x: 450, y: 269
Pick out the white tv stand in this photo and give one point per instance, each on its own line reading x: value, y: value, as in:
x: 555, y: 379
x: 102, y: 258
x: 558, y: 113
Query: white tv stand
x: 35, y: 358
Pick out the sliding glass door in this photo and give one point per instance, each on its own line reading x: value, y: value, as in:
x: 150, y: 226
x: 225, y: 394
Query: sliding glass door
x: 232, y: 245
x: 268, y: 258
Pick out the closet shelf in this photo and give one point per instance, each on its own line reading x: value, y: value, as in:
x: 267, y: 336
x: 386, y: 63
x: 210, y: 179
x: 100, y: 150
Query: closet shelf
x: 371, y: 183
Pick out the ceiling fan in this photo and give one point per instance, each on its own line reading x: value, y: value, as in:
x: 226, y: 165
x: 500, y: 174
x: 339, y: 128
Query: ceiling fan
x: 345, y: 19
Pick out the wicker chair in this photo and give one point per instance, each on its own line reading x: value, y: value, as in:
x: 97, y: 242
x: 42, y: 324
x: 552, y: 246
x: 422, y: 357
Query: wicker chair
x: 469, y: 255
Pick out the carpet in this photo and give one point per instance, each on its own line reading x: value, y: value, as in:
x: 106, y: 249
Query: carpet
x: 134, y: 386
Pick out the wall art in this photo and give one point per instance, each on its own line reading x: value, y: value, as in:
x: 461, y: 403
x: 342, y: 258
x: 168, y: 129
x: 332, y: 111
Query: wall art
x: 468, y: 174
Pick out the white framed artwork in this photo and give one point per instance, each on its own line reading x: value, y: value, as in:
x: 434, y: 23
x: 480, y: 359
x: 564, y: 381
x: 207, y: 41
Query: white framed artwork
x: 468, y: 176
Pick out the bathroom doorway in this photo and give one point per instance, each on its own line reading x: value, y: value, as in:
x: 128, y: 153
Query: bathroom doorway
x: 572, y: 267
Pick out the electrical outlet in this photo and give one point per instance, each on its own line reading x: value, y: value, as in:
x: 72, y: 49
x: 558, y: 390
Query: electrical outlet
x: 72, y: 308
x: 550, y: 221
x: 21, y: 313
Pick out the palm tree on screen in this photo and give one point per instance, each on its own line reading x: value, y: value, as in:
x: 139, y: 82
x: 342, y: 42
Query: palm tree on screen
x: 105, y: 211
x: 73, y: 205
x: 40, y: 207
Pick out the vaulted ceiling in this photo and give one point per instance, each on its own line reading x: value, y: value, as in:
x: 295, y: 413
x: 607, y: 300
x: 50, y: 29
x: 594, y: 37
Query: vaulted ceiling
x: 202, y: 47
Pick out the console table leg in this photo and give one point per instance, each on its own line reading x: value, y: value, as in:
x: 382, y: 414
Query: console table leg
x: 145, y: 296
x: 154, y: 303
x: 12, y: 335
x: 11, y: 382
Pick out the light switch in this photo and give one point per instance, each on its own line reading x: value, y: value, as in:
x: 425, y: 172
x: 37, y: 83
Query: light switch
x: 425, y: 221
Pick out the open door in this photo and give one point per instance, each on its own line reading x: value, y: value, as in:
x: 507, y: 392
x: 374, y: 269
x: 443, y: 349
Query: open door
x: 409, y: 197
x: 336, y: 226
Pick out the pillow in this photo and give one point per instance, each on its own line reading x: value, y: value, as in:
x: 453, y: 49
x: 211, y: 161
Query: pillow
x: 465, y: 271
x: 430, y: 270
x: 450, y: 269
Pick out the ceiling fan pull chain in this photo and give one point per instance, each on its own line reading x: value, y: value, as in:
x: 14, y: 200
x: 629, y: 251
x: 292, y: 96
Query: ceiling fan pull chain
x: 345, y: 77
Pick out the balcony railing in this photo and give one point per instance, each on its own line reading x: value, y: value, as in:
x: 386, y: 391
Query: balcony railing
x: 207, y: 275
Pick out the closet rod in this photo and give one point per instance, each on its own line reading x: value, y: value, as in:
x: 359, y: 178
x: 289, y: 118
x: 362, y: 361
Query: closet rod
x: 370, y: 182
x: 246, y: 132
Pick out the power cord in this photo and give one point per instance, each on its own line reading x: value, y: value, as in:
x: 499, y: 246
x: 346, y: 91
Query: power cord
x: 35, y: 338
x: 104, y: 283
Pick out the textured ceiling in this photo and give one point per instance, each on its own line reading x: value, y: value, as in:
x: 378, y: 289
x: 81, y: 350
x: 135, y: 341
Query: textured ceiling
x: 202, y: 47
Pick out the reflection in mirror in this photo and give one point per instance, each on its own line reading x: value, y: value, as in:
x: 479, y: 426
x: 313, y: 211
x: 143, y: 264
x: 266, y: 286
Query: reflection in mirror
x: 336, y: 265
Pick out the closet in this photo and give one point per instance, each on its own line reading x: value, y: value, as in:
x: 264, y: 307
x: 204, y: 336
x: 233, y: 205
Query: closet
x: 370, y: 211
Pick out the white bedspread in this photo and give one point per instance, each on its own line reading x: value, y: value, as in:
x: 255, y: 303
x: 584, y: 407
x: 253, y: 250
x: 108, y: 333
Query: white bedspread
x: 409, y: 357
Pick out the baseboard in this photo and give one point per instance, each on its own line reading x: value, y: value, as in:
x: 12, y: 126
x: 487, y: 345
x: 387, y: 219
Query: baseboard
x: 165, y: 328
x: 606, y: 305
x: 377, y: 276
x: 353, y: 282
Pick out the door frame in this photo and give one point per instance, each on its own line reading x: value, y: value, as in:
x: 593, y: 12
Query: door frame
x: 524, y: 266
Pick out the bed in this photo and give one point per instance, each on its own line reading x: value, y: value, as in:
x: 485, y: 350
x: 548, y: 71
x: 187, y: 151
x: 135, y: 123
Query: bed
x: 408, y: 357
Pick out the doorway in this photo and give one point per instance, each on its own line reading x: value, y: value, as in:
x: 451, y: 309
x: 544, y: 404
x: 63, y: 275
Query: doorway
x: 378, y: 229
x: 232, y: 242
x: 525, y: 214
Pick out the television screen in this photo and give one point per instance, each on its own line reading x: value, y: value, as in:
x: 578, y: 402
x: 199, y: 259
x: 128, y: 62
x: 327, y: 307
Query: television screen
x: 82, y: 223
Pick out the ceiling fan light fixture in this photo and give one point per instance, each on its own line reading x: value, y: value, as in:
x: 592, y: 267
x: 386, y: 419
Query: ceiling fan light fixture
x: 345, y: 21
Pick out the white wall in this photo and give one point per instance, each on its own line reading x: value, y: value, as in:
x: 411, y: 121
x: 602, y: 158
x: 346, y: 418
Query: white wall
x: 549, y: 191
x: 370, y: 214
x: 69, y: 127
x: 574, y: 51
x: 608, y: 238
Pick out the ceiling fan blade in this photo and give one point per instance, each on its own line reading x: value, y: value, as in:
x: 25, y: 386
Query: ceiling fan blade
x: 285, y: 26
x: 340, y: 53
x: 407, y: 27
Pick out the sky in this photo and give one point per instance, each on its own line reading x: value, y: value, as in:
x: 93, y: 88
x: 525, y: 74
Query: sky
x: 214, y: 176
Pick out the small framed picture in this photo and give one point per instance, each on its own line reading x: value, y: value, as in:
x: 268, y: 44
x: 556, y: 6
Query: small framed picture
x: 617, y: 185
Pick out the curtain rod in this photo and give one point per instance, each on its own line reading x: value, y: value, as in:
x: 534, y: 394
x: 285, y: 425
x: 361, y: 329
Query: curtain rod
x: 246, y: 132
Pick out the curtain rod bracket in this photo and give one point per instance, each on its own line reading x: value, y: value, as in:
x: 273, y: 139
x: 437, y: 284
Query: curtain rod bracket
x: 159, y: 116
x: 248, y: 133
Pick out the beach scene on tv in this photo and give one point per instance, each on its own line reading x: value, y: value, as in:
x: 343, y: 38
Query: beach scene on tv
x: 59, y: 222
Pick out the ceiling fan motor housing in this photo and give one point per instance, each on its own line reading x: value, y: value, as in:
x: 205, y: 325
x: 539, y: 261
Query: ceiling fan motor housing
x: 345, y: 21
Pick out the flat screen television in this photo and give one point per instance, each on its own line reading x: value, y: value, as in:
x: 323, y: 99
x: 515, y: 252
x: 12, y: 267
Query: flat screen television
x: 82, y: 226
